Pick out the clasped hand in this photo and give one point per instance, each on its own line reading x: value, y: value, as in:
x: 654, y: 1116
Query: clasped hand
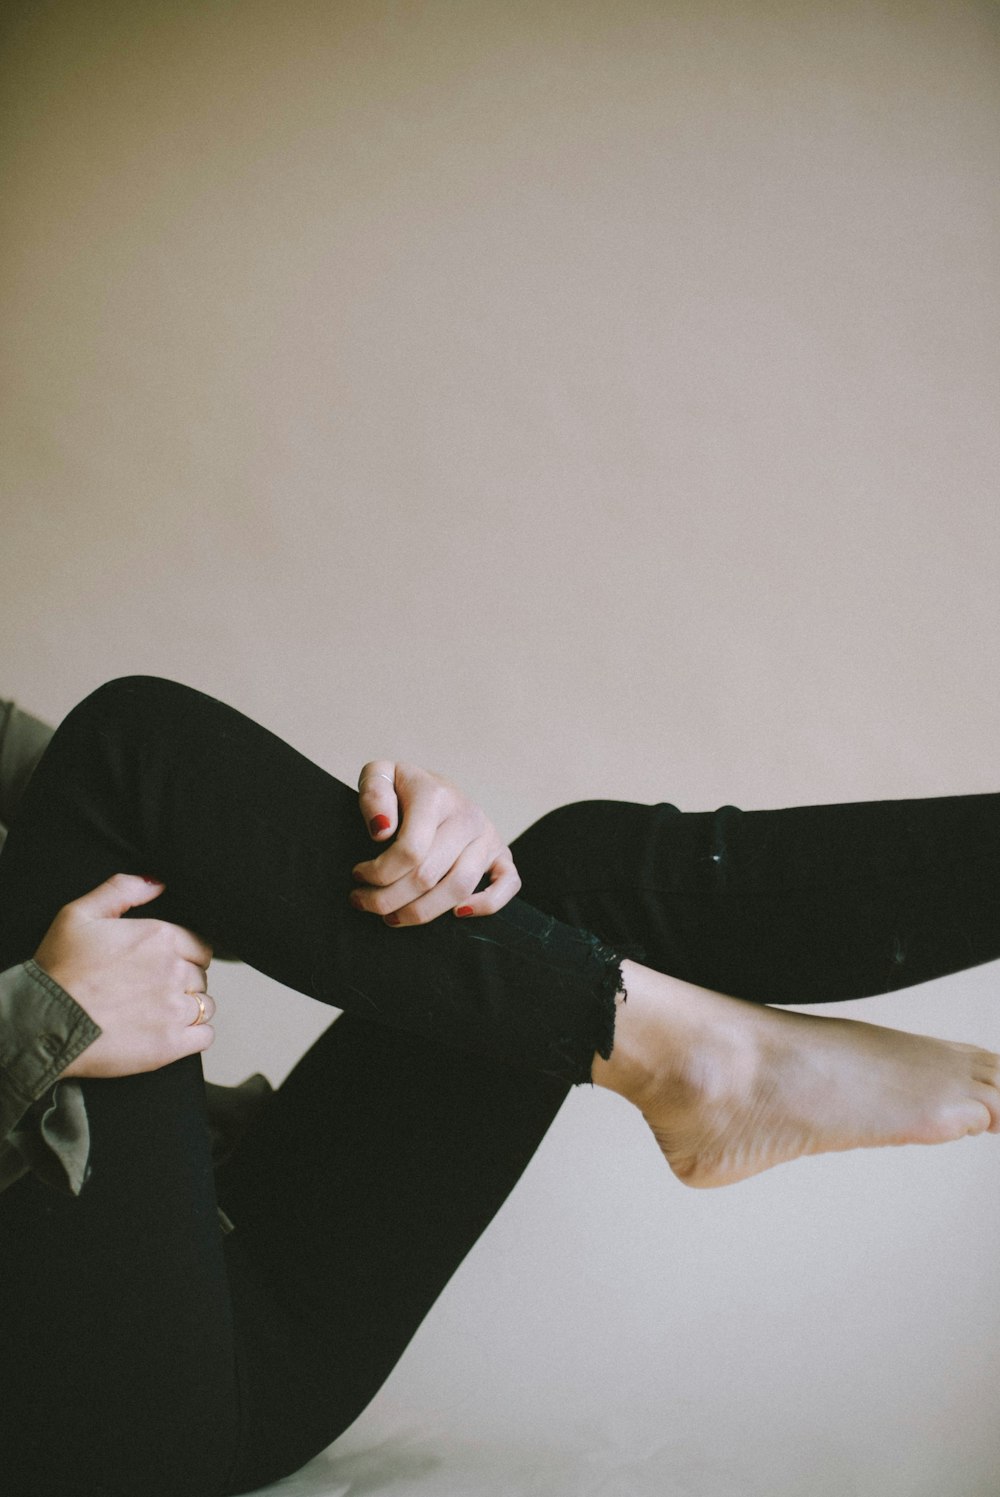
x: 137, y: 979
x: 442, y: 846
x: 143, y: 981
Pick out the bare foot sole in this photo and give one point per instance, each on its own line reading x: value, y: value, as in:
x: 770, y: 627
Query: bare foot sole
x: 731, y: 1088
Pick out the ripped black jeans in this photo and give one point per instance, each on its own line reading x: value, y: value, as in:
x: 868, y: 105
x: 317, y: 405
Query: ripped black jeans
x: 140, y: 1350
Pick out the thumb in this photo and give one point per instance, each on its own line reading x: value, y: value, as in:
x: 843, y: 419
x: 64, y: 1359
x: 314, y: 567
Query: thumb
x: 377, y: 798
x: 120, y: 892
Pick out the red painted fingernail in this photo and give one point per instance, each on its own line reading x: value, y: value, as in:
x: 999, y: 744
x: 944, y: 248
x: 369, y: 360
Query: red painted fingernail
x: 379, y: 823
x: 465, y: 909
x: 358, y: 878
x: 355, y: 900
x: 392, y: 919
x: 147, y: 880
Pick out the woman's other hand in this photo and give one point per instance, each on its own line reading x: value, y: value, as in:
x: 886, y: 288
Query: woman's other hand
x: 441, y: 846
x: 137, y: 979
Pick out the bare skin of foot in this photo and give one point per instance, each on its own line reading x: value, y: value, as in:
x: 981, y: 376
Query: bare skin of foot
x: 730, y: 1088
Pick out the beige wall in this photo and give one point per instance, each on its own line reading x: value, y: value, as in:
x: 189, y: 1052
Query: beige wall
x: 584, y: 399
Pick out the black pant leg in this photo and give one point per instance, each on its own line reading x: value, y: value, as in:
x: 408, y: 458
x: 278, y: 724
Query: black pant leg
x: 809, y: 904
x: 117, y: 1373
x: 355, y: 1197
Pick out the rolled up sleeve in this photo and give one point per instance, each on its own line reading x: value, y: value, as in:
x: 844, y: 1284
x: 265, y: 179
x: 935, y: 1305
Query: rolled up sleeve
x: 42, y: 1119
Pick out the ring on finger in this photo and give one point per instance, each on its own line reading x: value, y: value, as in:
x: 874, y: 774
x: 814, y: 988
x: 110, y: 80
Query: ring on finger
x: 202, y: 1010
x: 376, y: 775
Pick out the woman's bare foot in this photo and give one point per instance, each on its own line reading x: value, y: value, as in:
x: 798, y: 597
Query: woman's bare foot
x: 731, y: 1088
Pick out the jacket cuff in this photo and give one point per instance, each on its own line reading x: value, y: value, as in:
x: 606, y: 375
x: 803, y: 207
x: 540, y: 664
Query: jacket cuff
x: 42, y: 1031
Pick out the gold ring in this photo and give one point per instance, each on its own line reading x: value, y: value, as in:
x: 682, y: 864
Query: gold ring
x: 202, y: 1010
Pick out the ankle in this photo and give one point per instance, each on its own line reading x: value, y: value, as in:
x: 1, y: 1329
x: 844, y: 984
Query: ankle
x: 631, y: 1070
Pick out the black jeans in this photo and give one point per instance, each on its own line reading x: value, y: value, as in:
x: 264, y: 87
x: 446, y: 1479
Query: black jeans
x: 140, y: 1350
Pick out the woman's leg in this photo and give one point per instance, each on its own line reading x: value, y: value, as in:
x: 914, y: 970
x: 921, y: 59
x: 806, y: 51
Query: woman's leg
x: 255, y: 845
x: 807, y: 905
x: 117, y: 1372
x: 355, y: 1196
x: 145, y: 1352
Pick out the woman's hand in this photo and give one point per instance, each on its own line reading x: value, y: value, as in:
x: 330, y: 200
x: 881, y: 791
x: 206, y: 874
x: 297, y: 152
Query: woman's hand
x: 445, y: 846
x: 137, y: 979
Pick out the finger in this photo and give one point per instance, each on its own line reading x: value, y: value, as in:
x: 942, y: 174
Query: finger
x: 194, y: 1038
x: 192, y: 947
x: 386, y: 901
x: 505, y: 883
x: 120, y: 892
x: 207, y: 1003
x: 454, y: 887
x: 422, y: 831
x: 421, y: 875
x: 377, y: 798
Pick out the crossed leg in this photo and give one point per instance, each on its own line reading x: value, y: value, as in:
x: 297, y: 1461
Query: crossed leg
x: 802, y: 905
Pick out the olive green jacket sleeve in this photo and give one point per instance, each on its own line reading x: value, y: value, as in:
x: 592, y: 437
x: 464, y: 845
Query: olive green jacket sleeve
x: 43, y: 1125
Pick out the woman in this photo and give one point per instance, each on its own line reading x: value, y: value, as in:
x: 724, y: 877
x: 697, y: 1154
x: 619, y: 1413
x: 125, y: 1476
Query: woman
x: 147, y: 1350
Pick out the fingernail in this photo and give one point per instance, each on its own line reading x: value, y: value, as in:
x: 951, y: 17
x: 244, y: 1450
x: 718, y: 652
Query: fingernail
x: 392, y: 919
x: 355, y: 900
x: 147, y: 880
x: 379, y: 823
x: 358, y: 878
x: 464, y: 909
